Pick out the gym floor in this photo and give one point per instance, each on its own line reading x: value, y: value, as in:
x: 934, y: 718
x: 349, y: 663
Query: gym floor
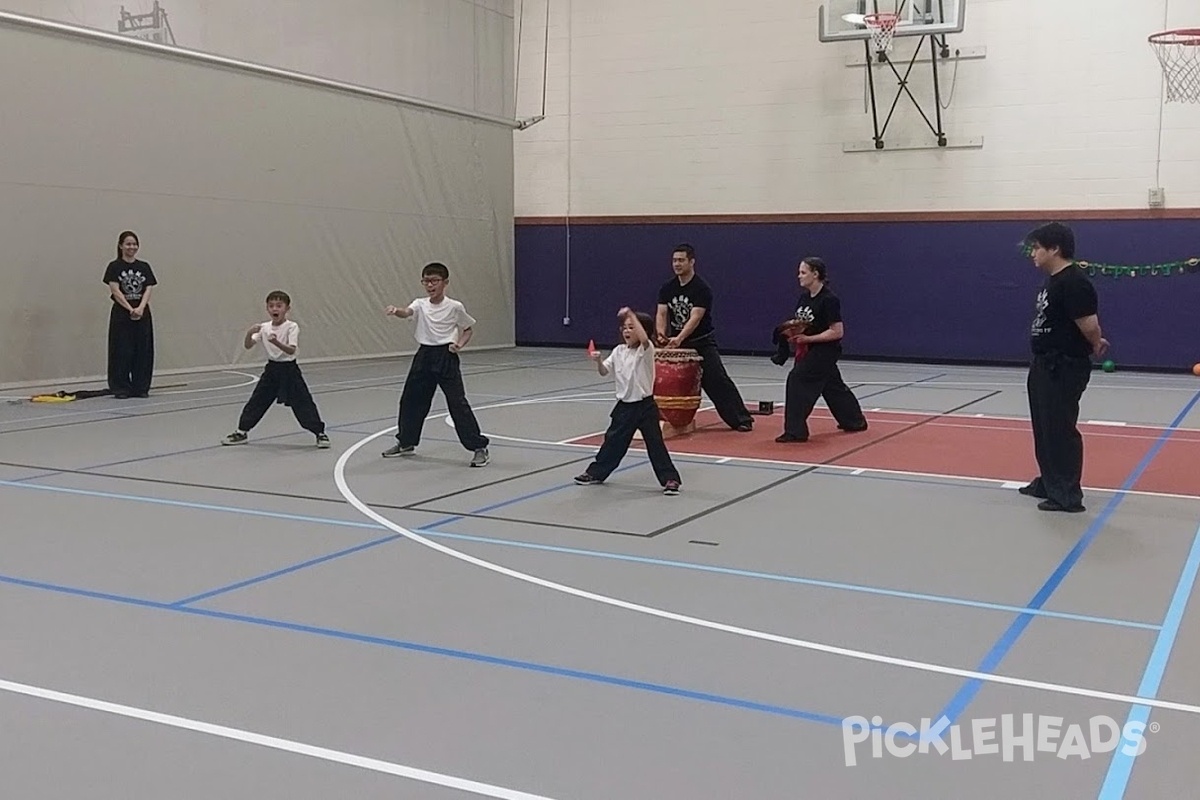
x: 181, y: 619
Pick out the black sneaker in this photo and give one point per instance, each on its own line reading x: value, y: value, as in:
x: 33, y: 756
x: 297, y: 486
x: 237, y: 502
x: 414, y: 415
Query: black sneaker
x: 587, y: 480
x: 671, y: 488
x: 1050, y: 505
x: 322, y: 441
x: 237, y: 437
x: 1033, y: 489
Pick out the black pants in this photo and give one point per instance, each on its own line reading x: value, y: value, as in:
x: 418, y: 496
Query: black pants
x: 433, y: 368
x: 815, y: 376
x: 641, y: 415
x: 720, y: 388
x: 282, y: 382
x: 130, y: 352
x: 1056, y: 385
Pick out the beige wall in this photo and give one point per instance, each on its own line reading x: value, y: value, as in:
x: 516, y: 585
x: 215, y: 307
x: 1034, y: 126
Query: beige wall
x: 237, y: 184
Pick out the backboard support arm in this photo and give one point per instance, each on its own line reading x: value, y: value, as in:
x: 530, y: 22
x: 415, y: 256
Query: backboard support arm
x: 935, y: 126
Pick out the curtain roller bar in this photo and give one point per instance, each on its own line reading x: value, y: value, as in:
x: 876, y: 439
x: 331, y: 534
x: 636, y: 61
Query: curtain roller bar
x: 104, y: 37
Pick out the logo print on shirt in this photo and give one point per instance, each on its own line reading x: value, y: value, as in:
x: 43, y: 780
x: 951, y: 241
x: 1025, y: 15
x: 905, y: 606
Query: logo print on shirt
x: 1039, y: 320
x: 131, y: 282
x: 681, y: 311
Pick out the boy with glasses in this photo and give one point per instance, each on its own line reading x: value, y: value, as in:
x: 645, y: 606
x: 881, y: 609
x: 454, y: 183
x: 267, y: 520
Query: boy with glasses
x: 443, y: 328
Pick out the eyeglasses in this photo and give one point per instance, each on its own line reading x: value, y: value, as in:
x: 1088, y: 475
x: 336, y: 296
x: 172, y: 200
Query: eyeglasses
x: 431, y: 280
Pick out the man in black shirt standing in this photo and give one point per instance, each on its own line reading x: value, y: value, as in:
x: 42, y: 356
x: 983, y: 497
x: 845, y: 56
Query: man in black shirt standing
x: 685, y: 320
x: 1064, y: 334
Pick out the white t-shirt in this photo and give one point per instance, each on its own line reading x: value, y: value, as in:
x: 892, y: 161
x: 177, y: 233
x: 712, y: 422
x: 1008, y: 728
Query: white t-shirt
x: 633, y: 371
x: 439, y: 323
x: 287, y: 332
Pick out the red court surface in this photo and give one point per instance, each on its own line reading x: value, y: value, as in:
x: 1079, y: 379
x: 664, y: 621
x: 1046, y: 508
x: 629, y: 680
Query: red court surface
x: 955, y: 446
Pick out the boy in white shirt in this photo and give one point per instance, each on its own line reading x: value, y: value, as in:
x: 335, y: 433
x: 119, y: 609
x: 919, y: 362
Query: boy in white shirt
x: 632, y: 366
x: 443, y: 329
x: 281, y: 381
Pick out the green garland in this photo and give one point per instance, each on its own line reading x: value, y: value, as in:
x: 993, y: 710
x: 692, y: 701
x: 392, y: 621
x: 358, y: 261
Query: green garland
x: 1114, y: 271
x: 1190, y: 265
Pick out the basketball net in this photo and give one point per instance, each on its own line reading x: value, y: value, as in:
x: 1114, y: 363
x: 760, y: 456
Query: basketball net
x: 881, y: 26
x: 1178, y: 52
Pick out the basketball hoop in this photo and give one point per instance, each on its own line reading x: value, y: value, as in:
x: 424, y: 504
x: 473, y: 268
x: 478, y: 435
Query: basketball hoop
x: 1179, y: 53
x: 882, y: 27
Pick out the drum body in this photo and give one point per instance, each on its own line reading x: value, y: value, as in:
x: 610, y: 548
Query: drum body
x: 677, y: 374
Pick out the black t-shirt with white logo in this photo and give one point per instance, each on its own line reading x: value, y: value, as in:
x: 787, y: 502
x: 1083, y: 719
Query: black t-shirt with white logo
x: 819, y: 312
x: 680, y: 300
x: 132, y: 276
x: 1064, y: 298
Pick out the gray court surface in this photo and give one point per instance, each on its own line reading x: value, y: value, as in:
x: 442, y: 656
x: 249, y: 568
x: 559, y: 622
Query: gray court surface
x: 185, y: 620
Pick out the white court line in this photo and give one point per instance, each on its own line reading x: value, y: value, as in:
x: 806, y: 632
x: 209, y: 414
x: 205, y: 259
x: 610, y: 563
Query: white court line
x: 339, y: 477
x: 1022, y: 421
x: 573, y: 441
x: 1134, y: 387
x: 1088, y: 434
x: 856, y: 471
x: 285, y: 745
x: 904, y: 473
x: 250, y: 379
x: 569, y: 442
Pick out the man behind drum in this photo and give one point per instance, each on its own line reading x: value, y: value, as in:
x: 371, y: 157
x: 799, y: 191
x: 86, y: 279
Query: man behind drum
x: 685, y: 311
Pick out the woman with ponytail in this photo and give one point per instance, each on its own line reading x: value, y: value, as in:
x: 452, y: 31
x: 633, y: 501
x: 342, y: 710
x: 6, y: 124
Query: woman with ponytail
x: 815, y: 333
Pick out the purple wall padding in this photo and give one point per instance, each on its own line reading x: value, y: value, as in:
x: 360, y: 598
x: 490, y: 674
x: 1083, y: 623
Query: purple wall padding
x: 933, y: 291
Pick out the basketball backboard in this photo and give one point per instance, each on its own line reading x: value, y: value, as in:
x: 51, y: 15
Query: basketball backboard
x: 842, y: 20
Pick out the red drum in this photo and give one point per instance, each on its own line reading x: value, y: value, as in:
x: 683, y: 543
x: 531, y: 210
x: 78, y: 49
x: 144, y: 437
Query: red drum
x: 677, y: 374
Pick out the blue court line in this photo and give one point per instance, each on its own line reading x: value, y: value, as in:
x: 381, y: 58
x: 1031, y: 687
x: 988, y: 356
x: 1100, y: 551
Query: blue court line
x: 444, y: 652
x: 1009, y: 638
x: 358, y: 548
x: 432, y: 532
x: 1121, y: 767
x: 312, y: 562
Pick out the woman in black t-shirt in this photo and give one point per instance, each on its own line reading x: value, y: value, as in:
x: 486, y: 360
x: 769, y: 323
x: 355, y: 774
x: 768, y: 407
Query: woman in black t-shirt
x: 815, y: 333
x: 130, y: 326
